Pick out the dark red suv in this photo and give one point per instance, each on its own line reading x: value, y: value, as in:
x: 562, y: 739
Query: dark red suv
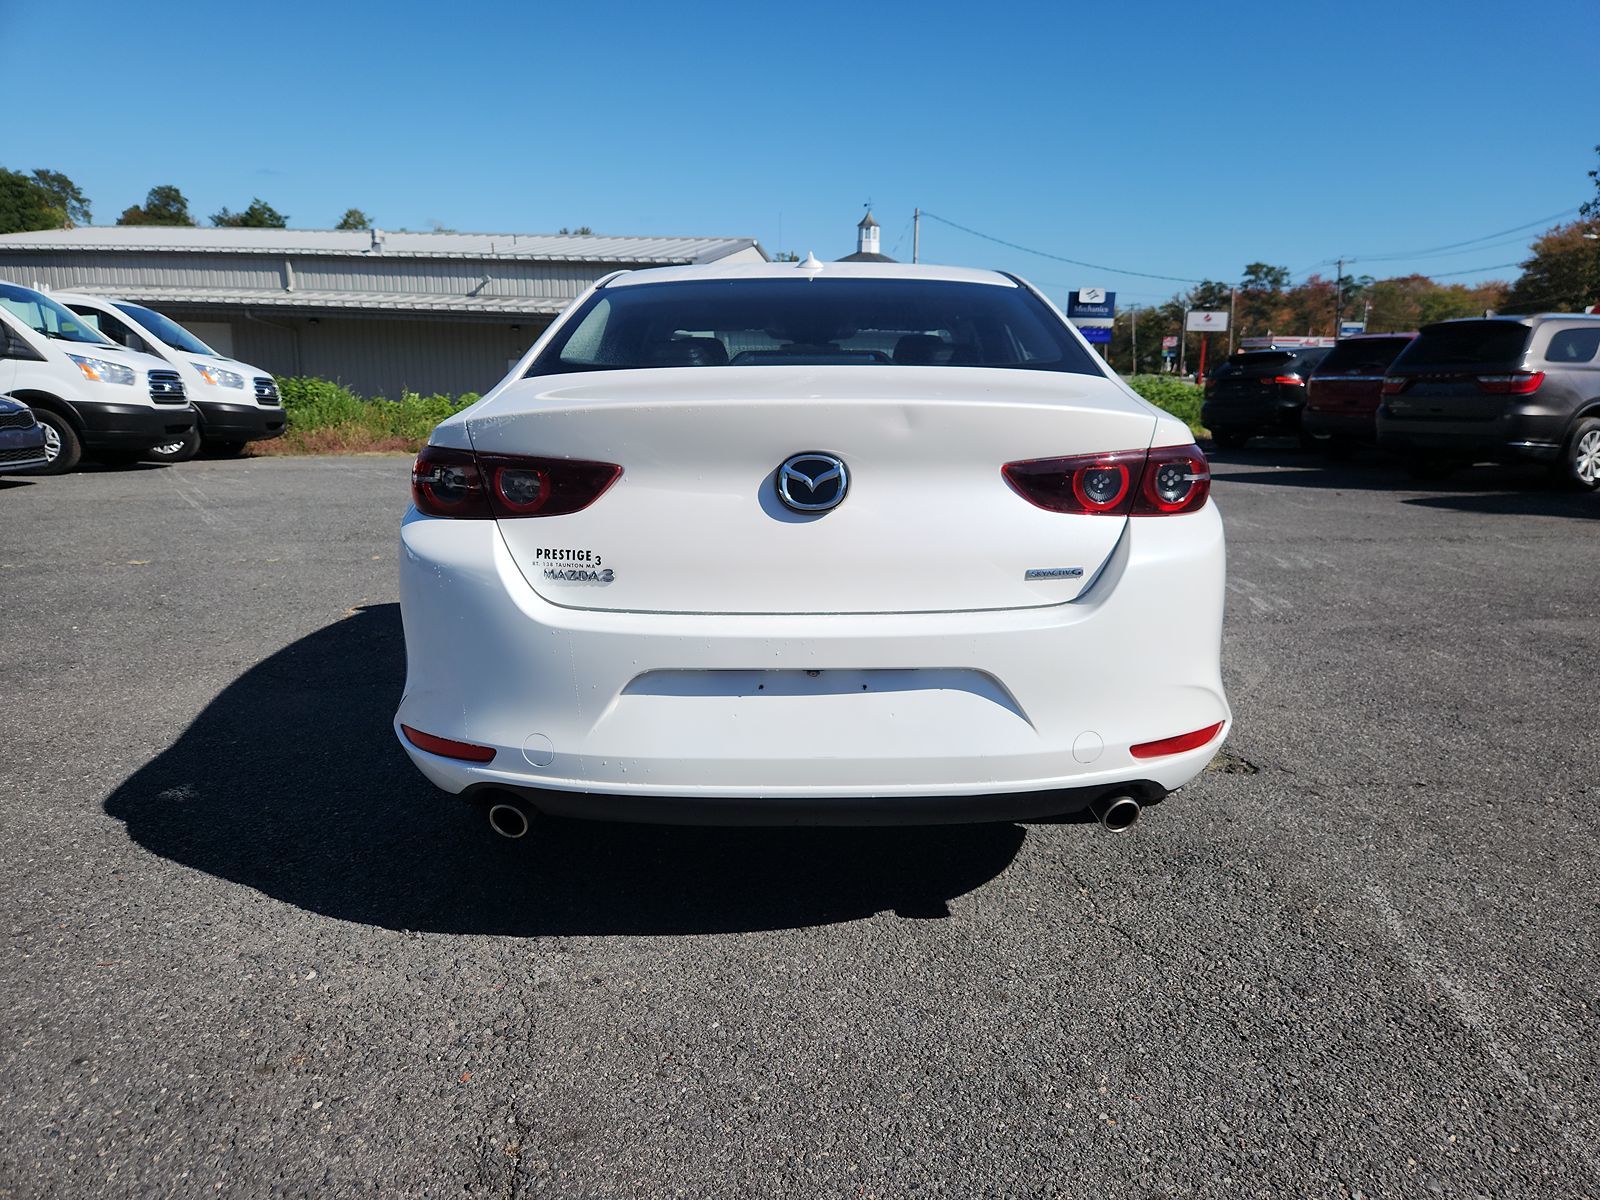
x: 1344, y: 391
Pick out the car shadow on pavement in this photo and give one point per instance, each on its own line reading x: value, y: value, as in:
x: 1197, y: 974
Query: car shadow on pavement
x: 291, y: 782
x: 1368, y: 473
x: 1548, y: 503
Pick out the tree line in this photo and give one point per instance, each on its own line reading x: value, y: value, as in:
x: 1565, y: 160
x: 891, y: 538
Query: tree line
x: 1561, y: 274
x: 45, y: 199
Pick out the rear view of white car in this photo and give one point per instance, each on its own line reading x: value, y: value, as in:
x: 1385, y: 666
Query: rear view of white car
x: 236, y: 403
x: 843, y: 543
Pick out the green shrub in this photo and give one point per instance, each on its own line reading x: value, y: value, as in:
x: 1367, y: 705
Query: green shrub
x: 1180, y: 399
x: 327, y: 417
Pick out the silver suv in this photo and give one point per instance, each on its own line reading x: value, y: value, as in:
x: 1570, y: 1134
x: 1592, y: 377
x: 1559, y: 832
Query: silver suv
x: 1505, y: 389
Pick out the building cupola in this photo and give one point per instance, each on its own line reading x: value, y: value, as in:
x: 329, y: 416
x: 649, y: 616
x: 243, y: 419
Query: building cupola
x: 867, y: 242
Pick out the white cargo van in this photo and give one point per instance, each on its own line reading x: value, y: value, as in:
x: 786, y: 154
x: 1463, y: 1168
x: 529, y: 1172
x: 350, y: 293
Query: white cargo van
x: 92, y: 396
x: 237, y: 403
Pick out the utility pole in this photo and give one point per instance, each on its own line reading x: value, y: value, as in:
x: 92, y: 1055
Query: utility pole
x: 1133, y: 314
x: 1183, y: 343
x: 916, y: 233
x: 1233, y: 303
x: 1338, y: 298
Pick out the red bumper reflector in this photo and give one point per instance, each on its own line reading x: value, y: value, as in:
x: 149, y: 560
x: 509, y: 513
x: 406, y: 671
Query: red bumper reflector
x: 1176, y: 745
x: 446, y: 748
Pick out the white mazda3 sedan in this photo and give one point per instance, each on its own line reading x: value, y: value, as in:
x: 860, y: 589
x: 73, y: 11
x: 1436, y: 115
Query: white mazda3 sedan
x: 820, y: 543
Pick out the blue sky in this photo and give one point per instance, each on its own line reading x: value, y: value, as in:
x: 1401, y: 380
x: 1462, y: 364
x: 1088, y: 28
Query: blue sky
x: 1172, y: 138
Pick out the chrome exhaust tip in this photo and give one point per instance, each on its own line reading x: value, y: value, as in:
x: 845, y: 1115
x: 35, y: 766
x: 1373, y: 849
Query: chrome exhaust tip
x: 1116, y: 813
x: 510, y: 817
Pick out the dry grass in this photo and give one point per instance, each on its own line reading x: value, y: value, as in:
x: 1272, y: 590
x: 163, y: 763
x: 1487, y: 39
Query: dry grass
x: 344, y: 439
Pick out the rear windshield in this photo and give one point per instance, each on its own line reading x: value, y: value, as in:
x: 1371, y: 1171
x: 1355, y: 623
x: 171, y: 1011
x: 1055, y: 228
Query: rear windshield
x: 1467, y: 343
x: 1259, y: 358
x: 1362, y: 356
x: 814, y: 322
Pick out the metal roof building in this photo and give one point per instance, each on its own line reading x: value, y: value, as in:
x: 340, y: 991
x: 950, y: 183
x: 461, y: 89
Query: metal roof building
x: 380, y: 311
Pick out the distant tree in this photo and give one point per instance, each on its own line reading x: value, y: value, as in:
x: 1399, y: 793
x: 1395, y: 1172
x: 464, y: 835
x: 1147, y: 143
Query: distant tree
x: 163, y: 205
x: 1563, y: 275
x: 1210, y: 295
x: 260, y: 215
x: 1262, y: 277
x: 1260, y: 296
x: 580, y: 231
x: 1591, y: 206
x: 786, y: 256
x: 65, y: 195
x: 354, y: 218
x: 43, y: 200
x: 26, y: 205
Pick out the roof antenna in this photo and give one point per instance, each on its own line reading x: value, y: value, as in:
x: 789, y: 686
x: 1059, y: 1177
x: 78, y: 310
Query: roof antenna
x: 810, y: 263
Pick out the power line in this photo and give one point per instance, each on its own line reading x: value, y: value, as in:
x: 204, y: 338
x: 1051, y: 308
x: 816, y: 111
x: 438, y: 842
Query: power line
x: 1389, y: 255
x: 1477, y: 243
x: 1474, y: 270
x: 1058, y: 257
x: 904, y: 229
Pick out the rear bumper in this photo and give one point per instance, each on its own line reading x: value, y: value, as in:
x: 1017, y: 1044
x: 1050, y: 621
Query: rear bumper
x: 1514, y: 437
x: 797, y: 810
x: 890, y: 718
x: 239, y: 422
x: 119, y: 426
x: 1265, y: 415
x: 1355, y: 427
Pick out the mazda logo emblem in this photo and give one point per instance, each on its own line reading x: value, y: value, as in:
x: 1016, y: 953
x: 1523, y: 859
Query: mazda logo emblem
x: 813, y: 482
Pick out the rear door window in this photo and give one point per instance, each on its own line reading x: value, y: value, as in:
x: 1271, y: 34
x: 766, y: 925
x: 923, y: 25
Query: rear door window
x: 1571, y: 346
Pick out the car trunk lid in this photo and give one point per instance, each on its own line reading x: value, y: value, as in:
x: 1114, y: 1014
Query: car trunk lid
x: 1440, y: 371
x: 695, y: 523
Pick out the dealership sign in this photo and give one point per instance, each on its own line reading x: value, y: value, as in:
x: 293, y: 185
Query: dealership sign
x: 1206, y: 322
x: 1091, y: 306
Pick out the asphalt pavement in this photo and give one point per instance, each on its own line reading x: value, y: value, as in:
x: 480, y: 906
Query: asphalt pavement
x: 249, y: 952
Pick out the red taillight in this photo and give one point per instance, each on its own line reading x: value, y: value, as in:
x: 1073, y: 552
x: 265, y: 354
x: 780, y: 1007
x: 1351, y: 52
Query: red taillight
x: 1176, y: 745
x: 1394, y: 385
x: 1159, y: 482
x: 1287, y: 380
x: 1177, y: 479
x: 447, y: 747
x: 1521, y: 383
x: 481, y: 487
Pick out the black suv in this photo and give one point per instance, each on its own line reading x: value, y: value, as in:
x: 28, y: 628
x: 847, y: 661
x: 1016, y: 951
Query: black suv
x: 1502, y: 389
x: 1258, y: 391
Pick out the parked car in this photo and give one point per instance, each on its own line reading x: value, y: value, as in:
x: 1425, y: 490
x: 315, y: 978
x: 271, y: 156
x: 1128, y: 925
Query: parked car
x: 237, y: 403
x: 91, y: 396
x: 874, y: 544
x: 1344, y: 390
x: 1256, y: 392
x: 21, y: 438
x: 1501, y: 389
